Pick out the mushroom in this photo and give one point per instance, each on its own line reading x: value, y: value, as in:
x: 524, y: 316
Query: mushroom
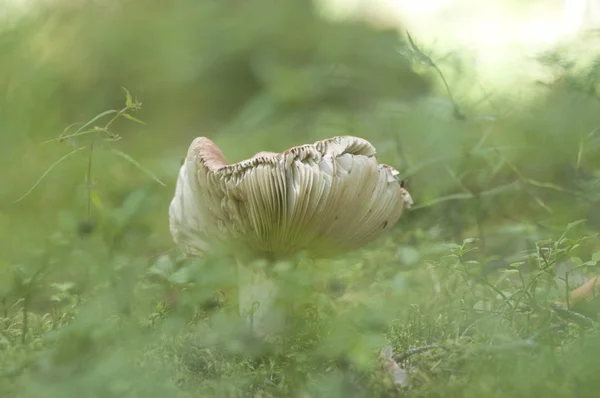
x: 585, y: 299
x: 325, y: 198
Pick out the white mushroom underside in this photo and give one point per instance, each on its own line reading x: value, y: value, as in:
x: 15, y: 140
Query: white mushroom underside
x: 327, y: 197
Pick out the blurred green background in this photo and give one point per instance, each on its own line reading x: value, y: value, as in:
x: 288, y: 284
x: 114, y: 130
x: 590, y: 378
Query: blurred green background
x: 504, y: 166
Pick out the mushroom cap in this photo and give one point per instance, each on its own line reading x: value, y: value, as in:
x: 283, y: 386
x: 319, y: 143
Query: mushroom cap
x: 586, y: 298
x: 325, y: 198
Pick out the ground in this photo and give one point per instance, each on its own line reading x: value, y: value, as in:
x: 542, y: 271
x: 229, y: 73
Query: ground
x: 470, y: 289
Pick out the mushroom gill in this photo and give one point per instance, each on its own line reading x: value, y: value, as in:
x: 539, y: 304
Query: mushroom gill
x: 325, y: 198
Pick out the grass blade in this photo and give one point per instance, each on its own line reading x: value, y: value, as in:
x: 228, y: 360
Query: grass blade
x: 66, y: 137
x: 468, y: 195
x: 99, y: 116
x: 136, y: 164
x: 48, y: 170
x: 133, y: 119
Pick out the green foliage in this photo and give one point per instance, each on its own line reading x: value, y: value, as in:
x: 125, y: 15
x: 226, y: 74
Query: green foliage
x: 471, y: 289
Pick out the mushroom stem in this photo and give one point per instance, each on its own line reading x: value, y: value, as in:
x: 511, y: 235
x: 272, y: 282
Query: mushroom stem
x: 257, y: 299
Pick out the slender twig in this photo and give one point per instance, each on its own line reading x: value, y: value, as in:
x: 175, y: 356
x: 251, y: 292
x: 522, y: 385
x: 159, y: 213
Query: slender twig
x: 89, y: 181
x: 403, y: 356
x: 59, y: 161
x: 567, y: 290
x: 27, y: 299
x: 457, y: 113
x: 25, y: 311
x: 523, y: 344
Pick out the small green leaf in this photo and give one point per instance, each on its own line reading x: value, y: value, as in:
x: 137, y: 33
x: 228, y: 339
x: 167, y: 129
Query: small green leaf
x: 97, y: 201
x: 134, y: 119
x: 97, y: 117
x: 128, y: 98
x: 596, y: 256
x: 452, y: 246
x: 510, y: 271
x: 574, y: 224
x: 136, y: 164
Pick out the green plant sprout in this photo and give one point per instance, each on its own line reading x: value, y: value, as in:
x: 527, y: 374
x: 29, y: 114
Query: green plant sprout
x: 99, y: 135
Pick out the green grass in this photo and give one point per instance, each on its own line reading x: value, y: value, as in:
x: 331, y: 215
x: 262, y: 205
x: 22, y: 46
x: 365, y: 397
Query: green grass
x: 470, y: 288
